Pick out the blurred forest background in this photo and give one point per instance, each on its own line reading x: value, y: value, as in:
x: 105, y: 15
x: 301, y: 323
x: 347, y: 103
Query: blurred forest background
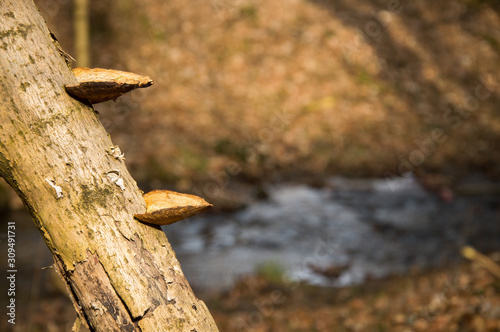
x: 252, y: 92
x: 269, y: 90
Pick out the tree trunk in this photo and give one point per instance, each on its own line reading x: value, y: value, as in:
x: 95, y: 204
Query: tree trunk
x: 82, y: 39
x: 121, y: 274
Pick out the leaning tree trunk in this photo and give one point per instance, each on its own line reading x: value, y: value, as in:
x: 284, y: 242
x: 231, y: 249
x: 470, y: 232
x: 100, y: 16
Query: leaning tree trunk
x: 122, y: 274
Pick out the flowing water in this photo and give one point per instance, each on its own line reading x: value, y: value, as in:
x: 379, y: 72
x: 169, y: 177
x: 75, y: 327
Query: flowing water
x: 341, y: 234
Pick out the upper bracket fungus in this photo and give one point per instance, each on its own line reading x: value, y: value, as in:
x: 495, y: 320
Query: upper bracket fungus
x: 98, y: 85
x: 164, y: 207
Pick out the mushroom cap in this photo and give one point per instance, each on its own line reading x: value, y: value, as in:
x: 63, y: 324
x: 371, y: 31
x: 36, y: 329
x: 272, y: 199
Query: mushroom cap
x: 164, y: 207
x: 98, y: 85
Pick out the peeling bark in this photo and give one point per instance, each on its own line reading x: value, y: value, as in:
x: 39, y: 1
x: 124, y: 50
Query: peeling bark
x: 54, y: 152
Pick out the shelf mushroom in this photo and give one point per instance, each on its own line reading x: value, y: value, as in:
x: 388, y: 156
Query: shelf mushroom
x: 98, y: 85
x: 165, y: 207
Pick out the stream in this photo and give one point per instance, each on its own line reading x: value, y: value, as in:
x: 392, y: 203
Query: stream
x: 341, y: 234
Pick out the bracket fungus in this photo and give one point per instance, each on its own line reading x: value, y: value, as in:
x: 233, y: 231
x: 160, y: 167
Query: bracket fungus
x: 98, y: 85
x: 164, y: 207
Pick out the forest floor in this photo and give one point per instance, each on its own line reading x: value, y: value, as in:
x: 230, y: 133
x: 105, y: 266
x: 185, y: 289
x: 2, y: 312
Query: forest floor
x: 461, y: 298
x: 254, y: 90
x: 464, y: 298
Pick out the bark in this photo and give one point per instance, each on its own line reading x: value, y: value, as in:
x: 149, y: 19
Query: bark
x: 121, y: 274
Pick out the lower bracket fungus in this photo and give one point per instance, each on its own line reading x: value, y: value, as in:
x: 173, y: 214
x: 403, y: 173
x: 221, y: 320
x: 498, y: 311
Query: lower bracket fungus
x: 98, y: 85
x: 164, y: 207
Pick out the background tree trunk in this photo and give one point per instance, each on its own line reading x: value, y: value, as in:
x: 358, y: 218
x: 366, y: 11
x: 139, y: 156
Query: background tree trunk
x: 55, y: 153
x: 82, y: 39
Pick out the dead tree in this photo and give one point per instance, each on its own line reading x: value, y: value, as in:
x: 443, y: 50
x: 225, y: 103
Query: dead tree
x: 121, y: 274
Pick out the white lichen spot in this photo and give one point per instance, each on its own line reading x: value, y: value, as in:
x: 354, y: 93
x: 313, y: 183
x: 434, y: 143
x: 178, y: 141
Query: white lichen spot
x: 98, y: 307
x: 114, y: 176
x: 115, y: 152
x: 120, y: 184
x: 59, y: 192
